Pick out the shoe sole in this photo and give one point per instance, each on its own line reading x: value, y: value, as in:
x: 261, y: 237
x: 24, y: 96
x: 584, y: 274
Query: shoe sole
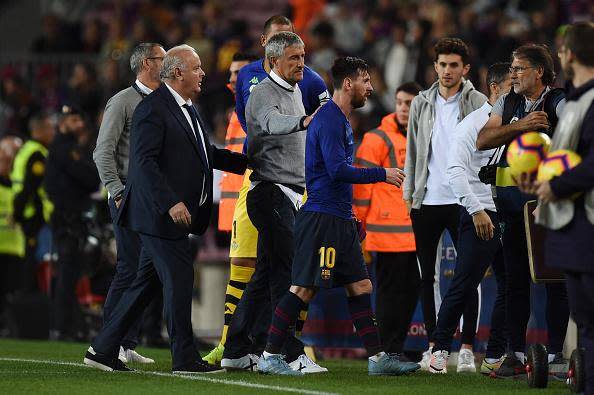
x: 97, y: 365
x: 314, y: 372
x: 185, y: 373
x: 466, y: 370
x: 143, y: 362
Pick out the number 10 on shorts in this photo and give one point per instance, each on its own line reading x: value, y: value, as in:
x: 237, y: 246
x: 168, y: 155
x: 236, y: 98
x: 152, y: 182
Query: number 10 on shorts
x: 327, y: 257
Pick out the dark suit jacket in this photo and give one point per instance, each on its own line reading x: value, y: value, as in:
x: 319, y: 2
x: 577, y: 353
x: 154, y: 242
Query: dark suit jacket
x: 166, y: 168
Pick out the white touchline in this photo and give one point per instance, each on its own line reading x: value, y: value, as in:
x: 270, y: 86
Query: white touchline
x: 239, y: 383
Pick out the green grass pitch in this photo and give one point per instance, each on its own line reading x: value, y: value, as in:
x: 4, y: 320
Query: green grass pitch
x: 36, y: 367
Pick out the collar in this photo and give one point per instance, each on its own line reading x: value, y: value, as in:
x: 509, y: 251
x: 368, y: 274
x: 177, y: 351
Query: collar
x: 180, y: 101
x: 576, y: 93
x: 279, y: 81
x: 143, y: 88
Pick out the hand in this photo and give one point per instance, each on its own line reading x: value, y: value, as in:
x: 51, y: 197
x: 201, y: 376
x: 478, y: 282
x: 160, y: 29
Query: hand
x: 526, y: 183
x: 544, y: 192
x: 536, y: 120
x: 180, y: 215
x: 394, y: 176
x: 309, y: 118
x: 483, y: 225
x: 118, y: 201
x: 408, y: 204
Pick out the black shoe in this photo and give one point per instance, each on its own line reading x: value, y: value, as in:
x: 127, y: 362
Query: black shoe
x: 511, y: 367
x: 101, y: 362
x: 197, y: 367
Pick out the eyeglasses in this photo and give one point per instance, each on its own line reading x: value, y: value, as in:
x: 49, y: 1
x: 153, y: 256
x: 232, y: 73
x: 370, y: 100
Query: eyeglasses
x: 155, y: 57
x: 519, y: 69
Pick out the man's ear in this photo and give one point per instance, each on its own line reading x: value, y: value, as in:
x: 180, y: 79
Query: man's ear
x: 262, y: 40
x: 465, y: 69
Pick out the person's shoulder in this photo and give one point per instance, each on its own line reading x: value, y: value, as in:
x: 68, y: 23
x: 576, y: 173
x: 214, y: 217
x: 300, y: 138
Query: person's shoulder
x: 328, y: 116
x: 126, y: 94
x: 311, y: 74
x: 252, y: 71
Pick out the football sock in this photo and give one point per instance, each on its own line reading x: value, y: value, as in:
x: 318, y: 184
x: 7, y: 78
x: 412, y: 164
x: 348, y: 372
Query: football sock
x: 284, y: 318
x: 377, y: 356
x: 364, y: 321
x: 301, y: 321
x: 238, y: 279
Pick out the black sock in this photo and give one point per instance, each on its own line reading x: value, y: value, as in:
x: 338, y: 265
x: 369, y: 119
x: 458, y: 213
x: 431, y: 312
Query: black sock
x: 284, y: 318
x: 365, y: 324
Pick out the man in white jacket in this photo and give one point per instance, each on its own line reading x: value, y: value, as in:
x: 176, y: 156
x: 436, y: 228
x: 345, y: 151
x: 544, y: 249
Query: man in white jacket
x: 479, y: 238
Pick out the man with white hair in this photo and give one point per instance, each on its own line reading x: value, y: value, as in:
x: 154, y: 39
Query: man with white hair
x: 168, y: 195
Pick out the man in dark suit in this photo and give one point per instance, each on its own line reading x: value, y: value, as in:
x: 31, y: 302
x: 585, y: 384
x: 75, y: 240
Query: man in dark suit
x: 168, y: 195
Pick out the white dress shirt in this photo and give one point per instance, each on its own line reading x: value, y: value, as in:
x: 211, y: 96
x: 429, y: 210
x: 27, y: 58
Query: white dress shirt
x: 446, y: 117
x: 181, y: 102
x: 466, y: 161
x: 143, y: 88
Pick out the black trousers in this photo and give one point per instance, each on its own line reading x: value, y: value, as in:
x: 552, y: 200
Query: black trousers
x: 398, y: 284
x: 69, y: 235
x: 518, y: 281
x: 128, y: 248
x: 474, y: 257
x: 165, y: 266
x: 273, y: 215
x: 428, y: 223
x: 580, y: 289
x: 10, y: 272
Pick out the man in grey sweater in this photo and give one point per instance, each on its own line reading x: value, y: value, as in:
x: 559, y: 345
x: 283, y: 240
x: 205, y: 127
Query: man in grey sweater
x: 433, y: 206
x: 111, y: 156
x: 276, y: 124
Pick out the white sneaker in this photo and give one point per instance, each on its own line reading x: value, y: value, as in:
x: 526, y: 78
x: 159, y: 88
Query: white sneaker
x: 122, y: 355
x: 426, y: 359
x: 466, y: 361
x: 306, y: 365
x: 439, y: 362
x: 248, y: 362
x: 132, y: 356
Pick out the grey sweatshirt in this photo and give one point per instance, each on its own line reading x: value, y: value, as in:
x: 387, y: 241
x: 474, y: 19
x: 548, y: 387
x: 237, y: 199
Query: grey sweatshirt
x: 276, y: 138
x: 112, y: 153
x: 418, y: 141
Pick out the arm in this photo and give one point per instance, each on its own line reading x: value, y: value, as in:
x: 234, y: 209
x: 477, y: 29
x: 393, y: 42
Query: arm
x: 226, y: 160
x: 34, y: 173
x: 494, y: 134
x: 318, y: 92
x: 371, y: 153
x: 267, y: 114
x: 333, y: 151
x: 411, y: 153
x: 146, y: 140
x: 104, y: 155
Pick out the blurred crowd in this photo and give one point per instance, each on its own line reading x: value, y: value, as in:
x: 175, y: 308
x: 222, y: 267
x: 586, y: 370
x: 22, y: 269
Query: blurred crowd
x: 81, y: 58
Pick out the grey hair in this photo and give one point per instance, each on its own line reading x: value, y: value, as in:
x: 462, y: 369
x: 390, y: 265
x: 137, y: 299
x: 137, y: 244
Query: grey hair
x: 172, y: 60
x: 276, y: 45
x: 139, y: 54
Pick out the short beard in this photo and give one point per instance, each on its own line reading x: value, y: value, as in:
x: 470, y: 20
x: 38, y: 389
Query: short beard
x: 358, y: 102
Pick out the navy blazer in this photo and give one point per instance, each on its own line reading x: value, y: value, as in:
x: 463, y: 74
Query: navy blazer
x: 166, y: 168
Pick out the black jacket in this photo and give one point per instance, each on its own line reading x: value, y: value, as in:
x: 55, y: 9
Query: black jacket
x: 166, y: 168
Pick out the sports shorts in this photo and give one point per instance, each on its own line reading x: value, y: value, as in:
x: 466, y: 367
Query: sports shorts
x: 244, y: 236
x: 327, y: 251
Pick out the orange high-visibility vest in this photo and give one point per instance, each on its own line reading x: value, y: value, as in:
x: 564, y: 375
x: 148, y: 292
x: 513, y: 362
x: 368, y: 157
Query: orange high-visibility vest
x: 380, y: 206
x: 230, y: 183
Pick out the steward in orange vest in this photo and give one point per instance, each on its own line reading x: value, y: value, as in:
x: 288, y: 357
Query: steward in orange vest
x: 389, y: 229
x: 230, y: 183
x: 380, y: 206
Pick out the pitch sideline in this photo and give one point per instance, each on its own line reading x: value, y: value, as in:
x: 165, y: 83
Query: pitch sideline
x: 239, y: 383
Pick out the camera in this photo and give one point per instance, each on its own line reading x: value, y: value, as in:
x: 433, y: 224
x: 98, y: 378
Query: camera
x: 487, y: 174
